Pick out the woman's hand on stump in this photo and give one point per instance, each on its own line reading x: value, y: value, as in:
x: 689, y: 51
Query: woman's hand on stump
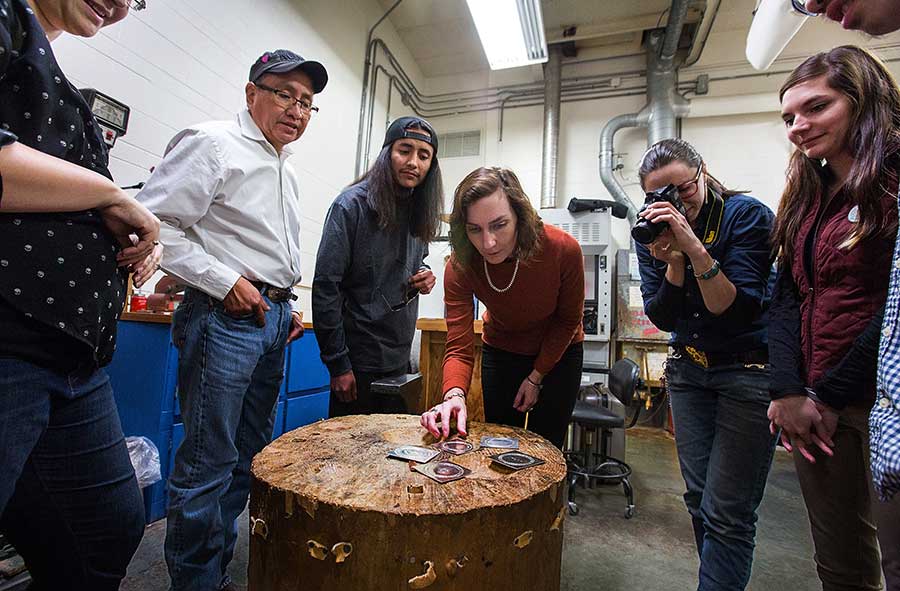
x: 436, y: 420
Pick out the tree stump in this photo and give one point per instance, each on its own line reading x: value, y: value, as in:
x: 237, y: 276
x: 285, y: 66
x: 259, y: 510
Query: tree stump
x: 329, y: 510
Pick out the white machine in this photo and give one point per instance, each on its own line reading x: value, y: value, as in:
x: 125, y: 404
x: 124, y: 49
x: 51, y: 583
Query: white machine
x: 592, y: 231
x: 591, y: 227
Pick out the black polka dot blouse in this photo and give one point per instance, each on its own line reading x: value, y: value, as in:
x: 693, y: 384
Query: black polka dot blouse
x: 58, y: 276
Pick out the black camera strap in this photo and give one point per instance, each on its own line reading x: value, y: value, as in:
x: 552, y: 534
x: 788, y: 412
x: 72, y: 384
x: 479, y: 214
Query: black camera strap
x: 710, y: 218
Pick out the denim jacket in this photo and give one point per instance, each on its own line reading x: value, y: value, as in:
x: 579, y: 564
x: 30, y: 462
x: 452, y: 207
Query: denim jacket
x: 742, y: 249
x: 360, y: 287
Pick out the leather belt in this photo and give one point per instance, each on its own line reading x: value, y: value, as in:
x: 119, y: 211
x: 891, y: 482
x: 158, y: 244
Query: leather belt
x: 711, y: 359
x: 276, y: 294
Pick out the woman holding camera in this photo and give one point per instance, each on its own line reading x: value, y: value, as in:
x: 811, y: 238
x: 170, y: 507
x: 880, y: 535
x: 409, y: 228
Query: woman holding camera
x: 835, y: 232
x: 704, y: 278
x: 530, y: 277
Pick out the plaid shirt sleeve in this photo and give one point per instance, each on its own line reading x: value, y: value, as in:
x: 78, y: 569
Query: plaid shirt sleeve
x: 884, y: 420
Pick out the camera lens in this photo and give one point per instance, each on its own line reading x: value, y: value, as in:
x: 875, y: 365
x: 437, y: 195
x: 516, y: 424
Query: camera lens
x: 645, y: 232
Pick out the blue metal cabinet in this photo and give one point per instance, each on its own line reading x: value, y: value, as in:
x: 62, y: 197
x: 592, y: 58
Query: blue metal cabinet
x: 305, y: 370
x: 307, y: 384
x: 305, y: 409
x: 143, y: 375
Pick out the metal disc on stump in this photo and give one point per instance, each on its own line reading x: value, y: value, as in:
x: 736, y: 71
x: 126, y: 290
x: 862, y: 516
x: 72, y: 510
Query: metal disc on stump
x: 329, y: 510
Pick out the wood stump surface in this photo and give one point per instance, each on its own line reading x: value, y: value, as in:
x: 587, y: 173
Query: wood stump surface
x: 329, y: 510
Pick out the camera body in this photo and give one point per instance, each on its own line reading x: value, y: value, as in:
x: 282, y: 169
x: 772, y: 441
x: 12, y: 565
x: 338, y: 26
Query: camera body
x: 644, y: 231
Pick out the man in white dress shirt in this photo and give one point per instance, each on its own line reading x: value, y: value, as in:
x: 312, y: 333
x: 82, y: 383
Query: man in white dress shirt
x: 230, y: 212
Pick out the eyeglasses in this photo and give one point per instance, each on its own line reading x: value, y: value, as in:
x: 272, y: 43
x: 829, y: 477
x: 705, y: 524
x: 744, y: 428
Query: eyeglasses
x: 689, y: 188
x: 137, y: 5
x: 286, y: 100
x: 800, y: 6
x: 411, y: 294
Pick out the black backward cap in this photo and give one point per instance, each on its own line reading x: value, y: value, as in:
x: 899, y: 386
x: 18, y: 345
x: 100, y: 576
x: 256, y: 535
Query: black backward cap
x: 400, y: 129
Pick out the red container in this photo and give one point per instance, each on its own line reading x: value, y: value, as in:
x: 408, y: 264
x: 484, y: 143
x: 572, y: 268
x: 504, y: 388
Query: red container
x: 138, y: 302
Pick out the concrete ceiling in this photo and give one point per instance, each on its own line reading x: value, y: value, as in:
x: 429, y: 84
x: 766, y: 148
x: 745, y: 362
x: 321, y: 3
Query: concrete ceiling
x: 442, y: 39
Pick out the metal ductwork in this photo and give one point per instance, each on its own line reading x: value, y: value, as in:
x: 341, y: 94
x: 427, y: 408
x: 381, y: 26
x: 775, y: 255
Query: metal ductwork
x: 552, y: 94
x: 664, y: 104
x: 606, y: 157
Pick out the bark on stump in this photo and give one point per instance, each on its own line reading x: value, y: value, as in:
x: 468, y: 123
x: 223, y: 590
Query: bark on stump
x: 329, y: 510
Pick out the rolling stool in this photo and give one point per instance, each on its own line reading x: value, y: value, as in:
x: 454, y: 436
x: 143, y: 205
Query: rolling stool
x: 593, y: 419
x: 407, y: 387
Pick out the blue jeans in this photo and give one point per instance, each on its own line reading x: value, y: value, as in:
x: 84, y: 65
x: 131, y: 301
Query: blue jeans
x: 69, y: 501
x: 725, y: 451
x: 229, y: 374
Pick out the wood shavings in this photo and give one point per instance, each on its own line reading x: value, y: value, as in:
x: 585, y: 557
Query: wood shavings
x: 341, y: 551
x: 316, y: 550
x: 425, y: 579
x: 557, y: 523
x: 523, y: 539
x: 259, y: 528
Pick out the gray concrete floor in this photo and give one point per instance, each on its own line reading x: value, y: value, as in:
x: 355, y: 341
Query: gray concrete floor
x: 603, y: 551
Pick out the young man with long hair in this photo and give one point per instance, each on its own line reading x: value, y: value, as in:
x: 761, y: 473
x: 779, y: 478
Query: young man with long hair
x: 370, y: 268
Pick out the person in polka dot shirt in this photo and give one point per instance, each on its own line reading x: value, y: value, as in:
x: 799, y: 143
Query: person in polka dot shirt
x: 69, y: 500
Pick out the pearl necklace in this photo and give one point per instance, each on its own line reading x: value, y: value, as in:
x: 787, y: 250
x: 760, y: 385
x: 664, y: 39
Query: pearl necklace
x: 491, y: 283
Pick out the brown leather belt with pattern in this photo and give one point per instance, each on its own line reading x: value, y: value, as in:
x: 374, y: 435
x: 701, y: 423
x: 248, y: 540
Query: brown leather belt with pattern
x: 276, y: 294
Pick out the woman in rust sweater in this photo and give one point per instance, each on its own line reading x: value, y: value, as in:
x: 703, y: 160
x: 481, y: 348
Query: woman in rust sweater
x: 530, y: 277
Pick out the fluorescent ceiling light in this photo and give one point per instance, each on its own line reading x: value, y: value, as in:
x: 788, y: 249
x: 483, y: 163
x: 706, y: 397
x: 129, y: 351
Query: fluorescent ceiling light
x: 511, y: 31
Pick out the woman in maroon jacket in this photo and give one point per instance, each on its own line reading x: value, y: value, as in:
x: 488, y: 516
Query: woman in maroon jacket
x: 834, y: 233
